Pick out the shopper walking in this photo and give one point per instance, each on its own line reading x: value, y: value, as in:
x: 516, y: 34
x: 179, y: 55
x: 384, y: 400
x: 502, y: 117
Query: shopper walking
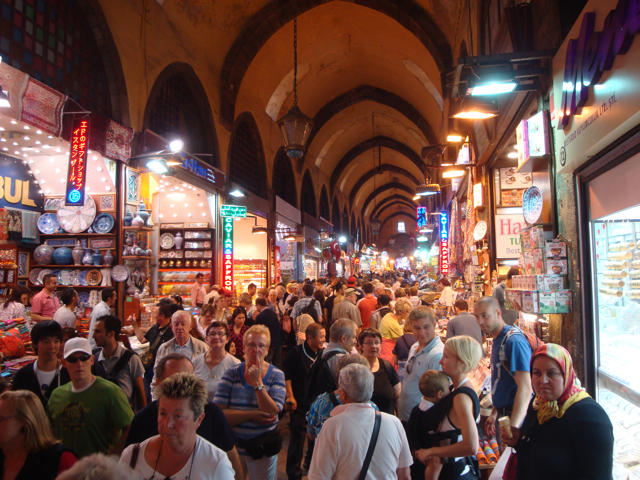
x: 386, y: 384
x: 346, y: 308
x: 109, y: 297
x: 367, y: 304
x: 464, y: 324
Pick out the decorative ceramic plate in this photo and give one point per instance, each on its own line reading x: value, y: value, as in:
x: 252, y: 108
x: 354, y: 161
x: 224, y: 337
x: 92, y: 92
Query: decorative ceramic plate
x: 74, y: 277
x: 480, y: 231
x: 82, y: 277
x: 84, y: 297
x: 33, y: 276
x: 43, y: 272
x: 64, y: 277
x: 56, y: 273
x: 532, y: 205
x: 48, y: 223
x: 94, y: 277
x: 119, y: 273
x: 103, y: 223
x: 77, y: 219
x: 167, y: 241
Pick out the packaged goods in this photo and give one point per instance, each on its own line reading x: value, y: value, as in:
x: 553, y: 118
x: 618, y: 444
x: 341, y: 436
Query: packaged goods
x: 538, y: 261
x: 530, y: 301
x: 547, y: 301
x: 619, y: 255
x: 563, y: 301
x: 556, y: 249
x: 616, y: 283
x: 635, y: 263
x: 525, y: 240
x: 513, y: 299
x: 488, y: 451
x: 553, y: 282
x: 529, y: 265
x: 557, y: 267
x: 632, y: 274
x: 536, y: 237
x: 617, y: 265
x: 609, y: 292
x: 635, y: 284
x: 620, y: 273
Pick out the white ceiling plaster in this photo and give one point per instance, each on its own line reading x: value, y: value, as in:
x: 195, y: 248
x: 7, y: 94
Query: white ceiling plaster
x: 327, y: 146
x: 426, y: 81
x: 283, y: 91
x: 344, y: 180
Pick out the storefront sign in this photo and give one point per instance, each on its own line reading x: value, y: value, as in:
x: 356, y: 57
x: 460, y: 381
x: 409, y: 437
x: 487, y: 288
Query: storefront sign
x: 277, y: 264
x: 77, y: 171
x: 538, y: 135
x: 203, y: 171
x: 521, y: 142
x: 233, y: 211
x: 17, y: 188
x: 444, y: 244
x: 463, y: 155
x: 508, y: 235
x: 478, y: 196
x: 227, y: 253
x: 421, y: 217
x: 595, y: 72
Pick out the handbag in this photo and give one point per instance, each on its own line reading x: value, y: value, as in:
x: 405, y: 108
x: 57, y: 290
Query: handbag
x: 266, y: 444
x: 372, y: 446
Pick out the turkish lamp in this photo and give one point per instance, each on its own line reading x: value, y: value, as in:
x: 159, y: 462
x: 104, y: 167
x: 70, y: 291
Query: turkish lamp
x: 295, y: 128
x: 453, y: 172
x: 427, y: 189
x: 375, y: 225
x: 454, y: 137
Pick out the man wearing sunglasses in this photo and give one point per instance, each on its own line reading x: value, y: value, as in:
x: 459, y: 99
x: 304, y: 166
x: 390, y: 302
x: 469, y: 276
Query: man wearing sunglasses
x: 90, y: 414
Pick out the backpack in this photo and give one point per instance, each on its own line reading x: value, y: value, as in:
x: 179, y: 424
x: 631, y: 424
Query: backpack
x: 313, y: 387
x: 533, y: 341
x: 117, y: 368
x: 311, y: 310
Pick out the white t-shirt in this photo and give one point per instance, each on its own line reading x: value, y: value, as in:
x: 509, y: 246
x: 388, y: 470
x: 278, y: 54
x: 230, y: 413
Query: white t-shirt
x: 212, y: 377
x: 209, y: 463
x: 344, y: 439
x: 65, y: 317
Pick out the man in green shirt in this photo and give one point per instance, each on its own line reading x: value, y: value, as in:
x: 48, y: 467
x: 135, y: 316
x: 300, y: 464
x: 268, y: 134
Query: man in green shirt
x: 90, y: 414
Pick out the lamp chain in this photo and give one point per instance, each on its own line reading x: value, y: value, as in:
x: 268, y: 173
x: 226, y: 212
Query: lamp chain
x: 295, y: 61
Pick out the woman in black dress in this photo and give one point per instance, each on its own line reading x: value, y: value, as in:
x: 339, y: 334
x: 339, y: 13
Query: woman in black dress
x: 386, y: 384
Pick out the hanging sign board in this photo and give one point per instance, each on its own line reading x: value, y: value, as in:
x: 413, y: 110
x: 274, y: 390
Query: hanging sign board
x: 421, y: 217
x: 478, y: 196
x: 233, y: 211
x: 508, y: 235
x: 227, y: 253
x: 444, y: 244
x: 77, y: 171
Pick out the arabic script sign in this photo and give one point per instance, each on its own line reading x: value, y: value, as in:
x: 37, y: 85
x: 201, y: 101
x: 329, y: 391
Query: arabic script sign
x: 233, y: 211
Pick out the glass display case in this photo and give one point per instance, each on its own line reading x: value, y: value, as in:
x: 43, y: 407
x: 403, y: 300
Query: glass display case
x: 615, y: 248
x: 249, y: 271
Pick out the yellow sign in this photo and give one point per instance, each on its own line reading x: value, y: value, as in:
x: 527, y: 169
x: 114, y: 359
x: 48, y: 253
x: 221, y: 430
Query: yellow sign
x: 20, y: 191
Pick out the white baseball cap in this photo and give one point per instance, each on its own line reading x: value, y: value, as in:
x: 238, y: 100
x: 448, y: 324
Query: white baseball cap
x: 74, y: 345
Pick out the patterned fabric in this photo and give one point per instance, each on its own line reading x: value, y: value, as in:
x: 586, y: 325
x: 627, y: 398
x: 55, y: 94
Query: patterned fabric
x: 15, y: 225
x: 29, y: 224
x: 238, y: 339
x: 470, y: 223
x: 14, y: 83
x: 42, y: 107
x: 573, y: 391
x: 4, y: 224
x: 118, y: 140
x: 13, y: 310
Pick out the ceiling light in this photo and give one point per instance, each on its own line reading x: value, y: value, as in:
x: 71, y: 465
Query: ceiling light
x: 26, y: 127
x: 17, y: 152
x: 156, y: 166
x: 454, y: 137
x: 38, y: 171
x: 161, y: 215
x: 38, y: 142
x: 26, y: 138
x: 39, y: 132
x: 13, y: 122
x: 201, y: 204
x: 474, y: 115
x: 58, y: 150
x: 289, y: 237
x: 43, y: 181
x: 57, y: 170
x: 99, y: 169
x: 3, y: 139
x: 47, y: 191
x: 204, y: 214
x: 176, y: 145
x: 258, y: 230
x: 51, y: 136
x: 15, y: 143
x: 453, y: 172
x: 52, y: 160
x: 427, y: 189
x: 45, y: 146
x: 175, y: 215
x: 512, y: 154
x: 87, y: 188
x: 104, y: 179
x: 237, y: 193
x: 493, y: 88
x: 417, y: 197
x: 107, y: 188
x: 62, y: 180
x: 94, y: 158
x: 189, y: 215
x: 177, y: 196
x: 5, y: 149
x: 30, y: 160
x: 186, y: 205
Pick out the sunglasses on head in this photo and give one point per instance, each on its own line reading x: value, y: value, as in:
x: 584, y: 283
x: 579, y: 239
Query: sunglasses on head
x: 82, y: 358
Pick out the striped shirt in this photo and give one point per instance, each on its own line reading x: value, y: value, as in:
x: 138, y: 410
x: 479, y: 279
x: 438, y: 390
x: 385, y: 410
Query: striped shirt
x: 234, y: 393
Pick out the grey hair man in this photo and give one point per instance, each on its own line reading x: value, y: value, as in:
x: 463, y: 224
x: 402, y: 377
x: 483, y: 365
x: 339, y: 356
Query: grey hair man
x: 351, y: 426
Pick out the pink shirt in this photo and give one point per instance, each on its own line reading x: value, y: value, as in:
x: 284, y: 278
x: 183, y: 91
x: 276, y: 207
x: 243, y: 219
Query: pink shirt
x: 197, y: 294
x: 44, y: 305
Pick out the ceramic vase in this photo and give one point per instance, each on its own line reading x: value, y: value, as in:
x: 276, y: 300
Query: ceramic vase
x: 77, y: 253
x: 126, y: 251
x: 178, y: 240
x: 87, y: 259
x: 145, y: 217
x: 128, y: 218
x: 149, y: 222
x: 43, y: 255
x: 63, y: 256
x: 137, y: 221
x: 108, y: 258
x: 97, y: 257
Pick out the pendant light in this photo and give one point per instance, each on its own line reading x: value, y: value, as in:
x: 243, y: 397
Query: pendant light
x: 295, y: 126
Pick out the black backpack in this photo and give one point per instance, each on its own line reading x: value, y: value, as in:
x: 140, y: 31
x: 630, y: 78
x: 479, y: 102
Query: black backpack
x: 100, y: 371
x: 311, y: 310
x: 315, y: 385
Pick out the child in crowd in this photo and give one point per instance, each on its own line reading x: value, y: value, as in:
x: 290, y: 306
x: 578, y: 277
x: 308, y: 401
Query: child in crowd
x: 434, y: 386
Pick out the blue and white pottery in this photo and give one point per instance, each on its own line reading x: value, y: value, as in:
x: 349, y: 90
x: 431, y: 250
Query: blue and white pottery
x: 87, y: 259
x: 43, y: 255
x: 63, y: 256
x: 97, y: 257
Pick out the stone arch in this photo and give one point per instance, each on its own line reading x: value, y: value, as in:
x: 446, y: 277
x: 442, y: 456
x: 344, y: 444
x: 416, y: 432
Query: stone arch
x: 385, y: 188
x: 335, y: 216
x: 345, y: 220
x: 386, y: 200
x: 374, y: 142
x: 323, y: 207
x: 307, y: 195
x: 178, y: 85
x: 247, y: 166
x: 385, y: 167
x: 354, y: 226
x: 274, y: 15
x: 390, y: 205
x: 283, y: 180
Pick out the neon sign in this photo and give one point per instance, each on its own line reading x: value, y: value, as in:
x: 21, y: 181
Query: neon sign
x: 233, y: 211
x: 76, y: 173
x: 444, y: 244
x: 421, y: 217
x: 227, y: 253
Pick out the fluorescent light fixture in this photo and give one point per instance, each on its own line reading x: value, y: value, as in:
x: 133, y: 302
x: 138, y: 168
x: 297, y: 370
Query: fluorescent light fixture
x: 474, y: 115
x: 512, y: 154
x: 454, y: 137
x: 176, y: 145
x: 342, y: 239
x: 422, y: 238
x: 237, y: 193
x: 317, y: 249
x: 289, y: 237
x: 427, y: 189
x: 493, y: 88
x: 453, y: 172
x: 157, y: 166
x: 417, y: 197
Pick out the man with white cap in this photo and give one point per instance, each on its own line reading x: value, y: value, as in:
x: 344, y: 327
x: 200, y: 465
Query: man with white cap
x: 90, y: 414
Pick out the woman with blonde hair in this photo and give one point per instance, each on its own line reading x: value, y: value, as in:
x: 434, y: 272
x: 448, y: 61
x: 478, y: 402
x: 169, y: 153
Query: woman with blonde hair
x: 221, y: 313
x: 27, y: 447
x: 251, y: 395
x: 391, y: 324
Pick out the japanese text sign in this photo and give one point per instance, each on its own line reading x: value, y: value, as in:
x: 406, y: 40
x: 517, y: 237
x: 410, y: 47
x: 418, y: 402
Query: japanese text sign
x: 77, y: 172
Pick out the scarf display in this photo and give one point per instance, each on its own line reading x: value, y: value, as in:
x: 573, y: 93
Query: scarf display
x: 573, y: 391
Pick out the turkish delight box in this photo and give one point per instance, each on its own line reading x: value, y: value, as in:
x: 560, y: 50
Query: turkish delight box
x: 538, y: 261
x: 557, y: 266
x: 513, y: 299
x: 556, y: 249
x: 529, y: 266
x: 563, y: 301
x: 536, y: 237
x: 553, y: 282
x: 525, y: 237
x: 547, y: 301
x: 530, y: 301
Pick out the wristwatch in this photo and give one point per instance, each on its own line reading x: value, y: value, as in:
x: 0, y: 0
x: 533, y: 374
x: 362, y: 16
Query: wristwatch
x: 261, y: 387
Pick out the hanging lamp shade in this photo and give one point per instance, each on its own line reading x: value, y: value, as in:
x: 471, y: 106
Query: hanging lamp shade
x: 427, y: 189
x: 295, y: 128
x: 375, y: 225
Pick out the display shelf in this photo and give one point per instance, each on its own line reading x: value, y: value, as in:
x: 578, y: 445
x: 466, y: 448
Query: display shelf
x: 186, y: 269
x: 78, y: 235
x: 138, y: 229
x: 62, y: 267
x: 136, y: 257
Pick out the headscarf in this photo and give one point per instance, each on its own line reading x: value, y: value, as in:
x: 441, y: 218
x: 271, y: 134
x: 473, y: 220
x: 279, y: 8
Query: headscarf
x: 573, y: 391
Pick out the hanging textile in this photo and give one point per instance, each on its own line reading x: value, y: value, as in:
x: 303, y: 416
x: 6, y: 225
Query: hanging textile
x: 470, y: 222
x: 42, y: 107
x: 4, y: 224
x: 456, y: 242
x: 29, y: 226
x: 14, y: 83
x: 14, y: 224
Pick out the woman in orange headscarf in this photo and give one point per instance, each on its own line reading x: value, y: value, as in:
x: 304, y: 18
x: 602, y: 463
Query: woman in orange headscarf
x: 566, y: 434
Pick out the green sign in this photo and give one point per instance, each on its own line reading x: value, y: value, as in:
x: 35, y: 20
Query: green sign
x: 233, y: 211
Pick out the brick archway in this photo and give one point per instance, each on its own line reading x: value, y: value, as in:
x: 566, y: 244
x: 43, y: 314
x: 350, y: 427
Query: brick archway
x: 389, y: 205
x: 377, y: 171
x: 277, y: 13
x: 384, y: 188
x: 384, y: 201
x: 397, y: 214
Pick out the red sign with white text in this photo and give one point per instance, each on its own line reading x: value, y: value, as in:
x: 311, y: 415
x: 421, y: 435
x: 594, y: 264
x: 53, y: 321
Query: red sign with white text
x: 444, y: 244
x: 227, y: 253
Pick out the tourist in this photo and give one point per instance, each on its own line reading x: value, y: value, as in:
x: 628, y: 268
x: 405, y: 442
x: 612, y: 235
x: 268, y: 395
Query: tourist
x: 66, y: 315
x: 464, y: 324
x: 402, y: 347
x: 367, y: 304
x: 391, y: 324
x: 44, y: 304
x: 386, y: 384
x: 237, y: 329
x: 198, y: 291
x: 269, y: 319
x: 346, y: 307
x: 109, y: 297
x: 15, y: 305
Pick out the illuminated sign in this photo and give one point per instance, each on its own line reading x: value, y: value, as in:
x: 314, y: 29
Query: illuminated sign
x: 277, y: 262
x: 522, y: 142
x: 17, y: 188
x: 227, y: 253
x: 537, y: 135
x: 77, y: 172
x: 233, y: 211
x: 478, y: 196
x: 593, y: 53
x: 444, y: 244
x: 421, y: 217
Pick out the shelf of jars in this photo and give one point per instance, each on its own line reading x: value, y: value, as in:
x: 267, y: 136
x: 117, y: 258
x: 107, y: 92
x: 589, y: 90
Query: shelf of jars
x: 136, y: 250
x: 186, y: 245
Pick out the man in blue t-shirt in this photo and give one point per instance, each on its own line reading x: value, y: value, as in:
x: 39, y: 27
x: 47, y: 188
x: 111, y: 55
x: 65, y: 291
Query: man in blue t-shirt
x: 510, y: 388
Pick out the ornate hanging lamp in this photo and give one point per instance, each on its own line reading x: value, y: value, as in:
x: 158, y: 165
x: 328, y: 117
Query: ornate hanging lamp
x: 295, y: 126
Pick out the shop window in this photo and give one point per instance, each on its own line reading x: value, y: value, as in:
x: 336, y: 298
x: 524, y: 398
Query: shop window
x: 335, y: 216
x: 401, y: 228
x: 284, y: 181
x: 308, y: 195
x: 324, y: 204
x: 246, y: 160
x: 56, y: 19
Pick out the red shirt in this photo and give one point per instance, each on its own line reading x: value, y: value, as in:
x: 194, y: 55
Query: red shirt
x: 45, y: 305
x: 366, y: 306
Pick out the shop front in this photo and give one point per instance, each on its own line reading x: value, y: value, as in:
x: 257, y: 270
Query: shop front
x: 598, y: 147
x: 287, y: 220
x: 311, y: 257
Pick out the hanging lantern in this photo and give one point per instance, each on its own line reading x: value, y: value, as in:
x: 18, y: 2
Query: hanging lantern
x: 295, y: 127
x: 375, y: 225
